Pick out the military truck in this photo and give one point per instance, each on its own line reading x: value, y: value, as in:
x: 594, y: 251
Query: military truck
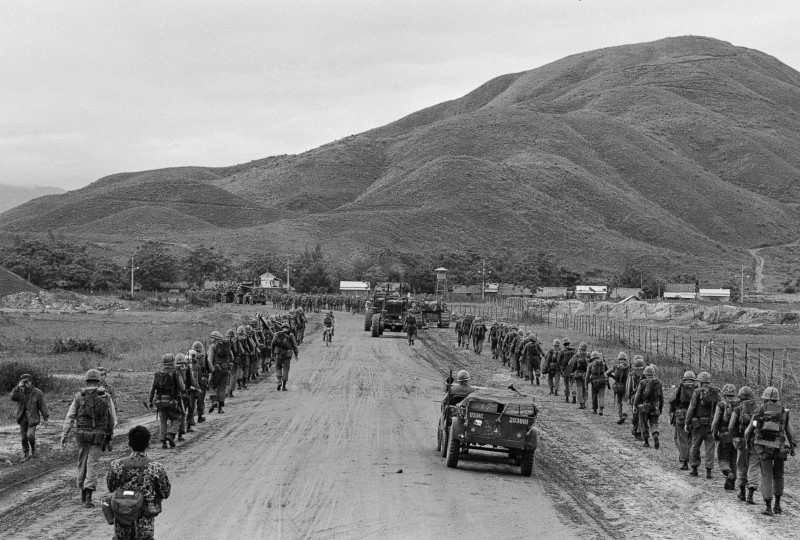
x: 386, y: 310
x: 492, y: 420
x: 435, y: 312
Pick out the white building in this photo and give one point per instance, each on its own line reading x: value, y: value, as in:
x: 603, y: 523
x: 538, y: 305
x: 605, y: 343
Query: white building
x: 269, y: 281
x: 354, y: 288
x: 715, y: 295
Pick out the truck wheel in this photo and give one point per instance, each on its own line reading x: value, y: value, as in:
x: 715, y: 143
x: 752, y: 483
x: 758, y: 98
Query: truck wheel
x: 367, y: 321
x: 439, y: 438
x: 376, y: 325
x: 527, y: 462
x: 453, y: 451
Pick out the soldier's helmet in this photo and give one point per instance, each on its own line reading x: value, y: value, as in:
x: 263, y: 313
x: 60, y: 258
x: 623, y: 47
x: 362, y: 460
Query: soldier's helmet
x: 771, y: 394
x: 216, y: 336
x: 729, y: 390
x: 241, y: 331
x: 168, y: 360
x: 556, y: 342
x: 689, y: 376
x: 622, y: 356
x: 566, y: 341
x: 594, y: 355
x: 300, y: 310
x: 650, y: 371
x: 180, y: 358
x: 92, y: 375
x: 463, y: 376
x: 230, y: 334
x: 285, y: 325
x: 704, y: 377
x: 249, y: 330
x: 197, y: 346
x: 583, y: 346
x: 521, y: 333
x: 745, y: 393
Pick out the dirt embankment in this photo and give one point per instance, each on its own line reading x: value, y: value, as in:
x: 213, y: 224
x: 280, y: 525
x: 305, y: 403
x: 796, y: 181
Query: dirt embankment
x: 679, y: 313
x: 58, y: 301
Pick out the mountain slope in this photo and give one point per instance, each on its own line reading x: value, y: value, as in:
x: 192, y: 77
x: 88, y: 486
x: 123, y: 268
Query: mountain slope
x: 677, y: 154
x: 11, y: 196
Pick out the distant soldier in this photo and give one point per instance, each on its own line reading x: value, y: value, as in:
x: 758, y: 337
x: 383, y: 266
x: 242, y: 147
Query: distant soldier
x: 201, y: 370
x: 677, y: 409
x: 93, y: 415
x: 649, y: 402
x: 596, y: 379
x: 466, y: 326
x: 577, y: 372
x: 410, y: 324
x: 255, y: 361
x: 726, y: 452
x: 494, y: 337
x: 552, y: 368
x: 516, y: 351
x: 748, y: 466
x: 478, y: 335
x: 774, y: 440
x: 532, y: 357
x: 698, y: 423
x: 236, y: 357
x: 300, y: 316
x: 31, y: 409
x: 327, y: 324
x: 633, y: 383
x: 564, y: 360
x: 619, y: 372
x: 184, y: 368
x: 165, y: 394
x: 282, y: 346
x: 220, y: 358
x: 245, y: 350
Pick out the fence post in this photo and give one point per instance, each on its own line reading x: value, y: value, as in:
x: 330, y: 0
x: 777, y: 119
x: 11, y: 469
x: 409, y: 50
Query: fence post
x: 783, y: 369
x: 723, y: 357
x: 657, y: 345
x: 758, y: 375
x: 745, y: 362
x: 690, y: 352
x: 772, y: 367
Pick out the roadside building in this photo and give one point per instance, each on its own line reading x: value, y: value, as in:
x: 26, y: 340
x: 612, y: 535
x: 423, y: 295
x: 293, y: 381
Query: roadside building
x: 509, y: 290
x: 591, y: 292
x: 270, y: 281
x: 354, y: 288
x: 714, y: 295
x: 680, y: 291
x: 551, y: 292
x: 620, y: 293
x: 466, y: 293
x: 178, y: 287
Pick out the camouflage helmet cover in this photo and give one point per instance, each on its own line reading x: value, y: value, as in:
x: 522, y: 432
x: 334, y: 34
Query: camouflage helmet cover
x: 771, y: 393
x: 729, y: 390
x: 704, y: 377
x: 745, y: 393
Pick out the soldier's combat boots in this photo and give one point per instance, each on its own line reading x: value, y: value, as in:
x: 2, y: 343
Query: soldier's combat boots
x: 694, y: 471
x: 566, y: 398
x: 279, y: 384
x: 171, y: 440
x: 220, y: 411
x: 656, y: 444
x: 537, y: 380
x: 708, y: 474
x: 768, y: 510
x: 283, y: 386
x: 181, y: 437
x: 210, y: 410
x: 647, y: 442
x: 750, y: 492
x: 685, y: 467
x: 777, y: 507
x: 574, y: 400
x: 622, y: 418
x: 164, y: 445
x: 730, y: 480
x: 741, y: 496
x: 87, y: 502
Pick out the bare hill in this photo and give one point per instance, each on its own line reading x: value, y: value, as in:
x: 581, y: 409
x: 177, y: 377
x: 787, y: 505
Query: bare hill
x: 676, y: 154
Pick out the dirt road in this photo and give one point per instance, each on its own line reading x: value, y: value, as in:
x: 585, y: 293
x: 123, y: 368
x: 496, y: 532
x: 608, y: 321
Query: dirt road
x: 349, y: 452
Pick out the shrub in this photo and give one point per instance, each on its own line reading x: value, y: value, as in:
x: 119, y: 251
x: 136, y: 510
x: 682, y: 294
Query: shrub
x: 72, y: 345
x: 11, y: 371
x: 135, y: 297
x: 790, y: 290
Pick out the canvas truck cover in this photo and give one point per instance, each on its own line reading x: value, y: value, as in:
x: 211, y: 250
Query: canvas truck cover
x: 496, y: 400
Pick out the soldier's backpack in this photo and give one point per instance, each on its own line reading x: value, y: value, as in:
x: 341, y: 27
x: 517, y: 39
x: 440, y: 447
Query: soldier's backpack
x: 126, y: 506
x: 284, y: 341
x: 686, y: 393
x: 552, y: 366
x: 93, y: 410
x: 480, y: 332
x: 727, y: 411
x: 598, y: 369
x: 771, y: 425
x: 328, y: 321
x: 620, y: 374
x: 222, y: 353
x: 746, y: 410
x: 652, y: 388
x: 581, y: 364
x: 164, y: 382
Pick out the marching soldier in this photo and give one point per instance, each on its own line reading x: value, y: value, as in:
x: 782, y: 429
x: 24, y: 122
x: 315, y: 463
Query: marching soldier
x: 597, y: 379
x: 633, y: 384
x: 552, y: 368
x: 649, y: 402
x: 677, y: 408
x: 201, y: 368
x: 619, y: 373
x: 532, y: 358
x: 564, y: 360
x: 774, y: 440
x: 31, y: 409
x: 726, y: 452
x: 698, y: 423
x: 577, y: 371
x: 165, y: 393
x: 282, y: 347
x: 220, y: 357
x: 748, y: 466
x: 184, y: 368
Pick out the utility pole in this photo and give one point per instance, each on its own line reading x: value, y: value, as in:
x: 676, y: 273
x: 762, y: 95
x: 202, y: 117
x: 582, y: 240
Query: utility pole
x: 133, y: 268
x: 287, y: 273
x: 483, y: 278
x: 741, y: 289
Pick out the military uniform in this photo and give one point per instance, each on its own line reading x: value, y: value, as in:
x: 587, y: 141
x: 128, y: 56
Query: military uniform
x: 620, y: 373
x: 494, y: 336
x: 165, y: 393
x: 92, y: 413
x: 634, y: 378
x: 698, y: 423
x: 283, y: 344
x: 410, y: 325
x: 678, y: 406
x: 726, y: 452
x: 577, y: 371
x: 478, y: 335
x: 188, y: 397
x: 649, y: 402
x: 564, y: 359
x: 31, y: 409
x: 532, y: 358
x: 597, y: 379
x: 552, y: 368
x: 773, y: 439
x: 748, y: 466
x: 220, y: 357
x: 152, y: 483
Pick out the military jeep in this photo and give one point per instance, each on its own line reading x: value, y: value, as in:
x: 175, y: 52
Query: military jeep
x: 494, y: 420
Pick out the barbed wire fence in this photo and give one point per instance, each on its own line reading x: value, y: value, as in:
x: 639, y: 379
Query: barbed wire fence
x: 736, y: 361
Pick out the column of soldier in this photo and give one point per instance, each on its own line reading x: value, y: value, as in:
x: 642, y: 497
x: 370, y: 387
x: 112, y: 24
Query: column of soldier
x: 316, y: 303
x: 749, y: 439
x: 178, y: 389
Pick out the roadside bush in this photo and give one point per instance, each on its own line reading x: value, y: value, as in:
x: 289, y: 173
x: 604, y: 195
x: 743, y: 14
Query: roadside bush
x: 197, y: 298
x: 135, y: 297
x: 62, y: 345
x: 11, y: 371
x: 158, y: 301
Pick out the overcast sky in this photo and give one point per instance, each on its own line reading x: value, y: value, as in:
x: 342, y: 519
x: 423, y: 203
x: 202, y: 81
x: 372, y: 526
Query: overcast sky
x: 94, y: 88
